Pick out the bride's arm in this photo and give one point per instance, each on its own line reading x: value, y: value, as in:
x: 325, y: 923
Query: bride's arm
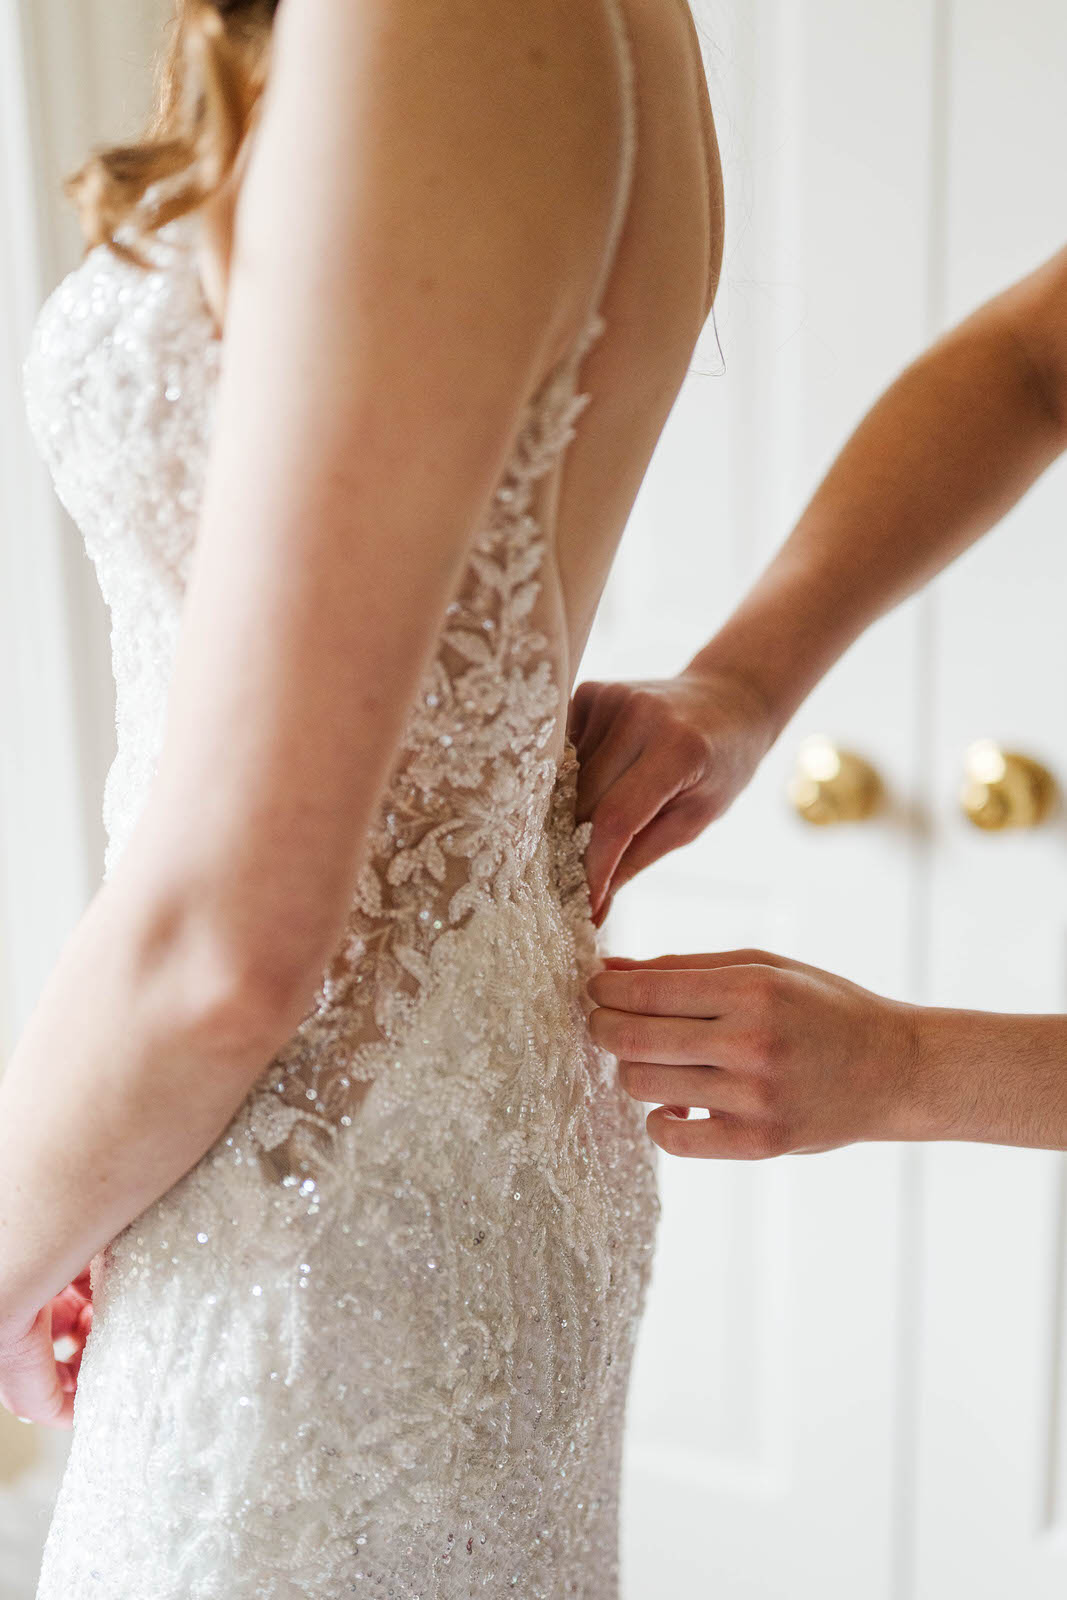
x: 420, y: 227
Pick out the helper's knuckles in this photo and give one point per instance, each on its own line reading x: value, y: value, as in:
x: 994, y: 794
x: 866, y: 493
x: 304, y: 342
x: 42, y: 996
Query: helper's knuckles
x: 764, y: 1094
x: 690, y: 749
x: 627, y: 1039
x: 759, y: 1043
x: 772, y: 1139
x: 636, y: 1078
x: 640, y: 991
x: 752, y: 957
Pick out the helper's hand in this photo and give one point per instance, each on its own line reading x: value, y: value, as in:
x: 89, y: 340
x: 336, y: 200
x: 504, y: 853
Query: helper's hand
x: 783, y: 1057
x: 659, y: 761
x: 36, y: 1383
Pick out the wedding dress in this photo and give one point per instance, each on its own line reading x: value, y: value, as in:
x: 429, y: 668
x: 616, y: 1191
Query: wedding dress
x: 377, y: 1341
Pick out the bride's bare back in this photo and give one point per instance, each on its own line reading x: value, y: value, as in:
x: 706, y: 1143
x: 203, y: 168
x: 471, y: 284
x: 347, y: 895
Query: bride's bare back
x: 659, y: 295
x: 658, y: 298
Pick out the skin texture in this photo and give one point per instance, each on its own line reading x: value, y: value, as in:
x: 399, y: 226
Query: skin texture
x: 786, y: 1057
x: 422, y: 248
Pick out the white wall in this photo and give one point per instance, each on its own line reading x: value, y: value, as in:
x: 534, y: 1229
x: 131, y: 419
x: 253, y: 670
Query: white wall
x: 71, y: 72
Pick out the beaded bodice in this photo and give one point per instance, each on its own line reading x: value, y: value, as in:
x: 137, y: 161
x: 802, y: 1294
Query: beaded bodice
x: 121, y: 383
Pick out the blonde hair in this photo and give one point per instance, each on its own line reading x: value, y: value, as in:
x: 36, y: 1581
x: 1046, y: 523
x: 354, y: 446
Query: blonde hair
x: 210, y: 80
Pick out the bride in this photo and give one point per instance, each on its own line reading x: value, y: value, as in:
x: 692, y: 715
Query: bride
x: 350, y: 399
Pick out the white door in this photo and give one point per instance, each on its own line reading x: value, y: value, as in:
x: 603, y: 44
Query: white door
x: 992, y: 1490
x: 851, y: 1380
x: 770, y: 1420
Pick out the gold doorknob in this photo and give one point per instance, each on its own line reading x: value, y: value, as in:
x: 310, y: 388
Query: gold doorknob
x: 832, y: 785
x: 1003, y: 789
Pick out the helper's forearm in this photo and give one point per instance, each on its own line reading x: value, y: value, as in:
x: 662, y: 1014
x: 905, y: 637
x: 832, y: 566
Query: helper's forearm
x: 789, y: 1058
x: 137, y: 1054
x: 991, y: 1077
x: 955, y: 441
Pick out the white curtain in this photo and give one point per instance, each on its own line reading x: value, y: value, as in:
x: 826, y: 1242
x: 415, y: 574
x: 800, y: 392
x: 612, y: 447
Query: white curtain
x: 71, y: 72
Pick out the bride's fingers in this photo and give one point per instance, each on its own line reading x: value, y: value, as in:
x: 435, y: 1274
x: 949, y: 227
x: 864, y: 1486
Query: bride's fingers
x: 70, y: 1359
x: 67, y: 1309
x: 67, y: 1373
x: 71, y: 1320
x: 29, y: 1378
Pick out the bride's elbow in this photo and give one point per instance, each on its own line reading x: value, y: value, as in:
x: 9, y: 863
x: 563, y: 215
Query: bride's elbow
x: 197, y: 978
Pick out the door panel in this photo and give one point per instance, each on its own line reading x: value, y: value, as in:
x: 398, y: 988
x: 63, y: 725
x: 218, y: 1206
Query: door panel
x: 991, y: 1490
x: 771, y: 1408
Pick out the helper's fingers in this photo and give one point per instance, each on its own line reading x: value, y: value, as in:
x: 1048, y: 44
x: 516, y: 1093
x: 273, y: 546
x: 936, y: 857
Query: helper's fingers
x: 30, y: 1381
x: 629, y: 806
x: 662, y: 992
x: 678, y: 1087
x: 676, y: 825
x: 749, y: 991
x: 707, y: 960
x: 666, y: 1041
x: 714, y: 1138
x: 577, y: 715
x: 653, y: 963
x: 592, y: 709
x: 616, y: 747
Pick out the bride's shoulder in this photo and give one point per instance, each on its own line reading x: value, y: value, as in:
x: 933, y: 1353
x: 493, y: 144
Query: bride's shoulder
x: 522, y: 95
x: 551, y: 66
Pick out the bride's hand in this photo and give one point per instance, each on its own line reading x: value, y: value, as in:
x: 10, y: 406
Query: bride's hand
x: 35, y: 1383
x: 659, y: 760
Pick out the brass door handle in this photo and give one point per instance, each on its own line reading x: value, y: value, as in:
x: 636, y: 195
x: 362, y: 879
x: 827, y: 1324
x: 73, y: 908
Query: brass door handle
x: 1003, y: 789
x: 831, y: 785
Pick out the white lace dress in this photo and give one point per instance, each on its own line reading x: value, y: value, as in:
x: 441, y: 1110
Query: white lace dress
x: 377, y: 1341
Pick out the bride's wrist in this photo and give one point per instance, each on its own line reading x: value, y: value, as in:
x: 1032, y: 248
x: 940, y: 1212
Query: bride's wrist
x: 16, y: 1320
x: 23, y: 1294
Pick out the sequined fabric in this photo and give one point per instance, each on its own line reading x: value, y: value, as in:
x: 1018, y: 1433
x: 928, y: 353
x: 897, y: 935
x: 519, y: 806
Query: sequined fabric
x: 377, y: 1341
